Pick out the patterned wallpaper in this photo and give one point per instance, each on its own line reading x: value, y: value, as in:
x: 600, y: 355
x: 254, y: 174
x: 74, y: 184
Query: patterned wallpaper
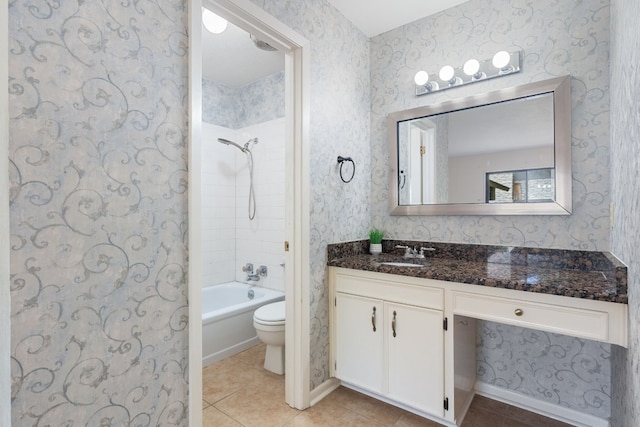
x: 98, y: 143
x: 557, y: 38
x: 251, y: 104
x: 625, y: 162
x: 565, y: 371
x: 339, y: 117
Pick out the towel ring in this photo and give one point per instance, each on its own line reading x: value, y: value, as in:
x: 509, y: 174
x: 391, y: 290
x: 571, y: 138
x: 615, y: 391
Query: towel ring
x: 342, y: 161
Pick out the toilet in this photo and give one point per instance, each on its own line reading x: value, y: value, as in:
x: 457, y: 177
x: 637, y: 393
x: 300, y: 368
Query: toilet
x: 269, y: 323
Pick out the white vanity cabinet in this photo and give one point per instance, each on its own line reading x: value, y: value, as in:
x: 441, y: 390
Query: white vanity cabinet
x: 359, y: 343
x: 389, y: 340
x: 415, y: 351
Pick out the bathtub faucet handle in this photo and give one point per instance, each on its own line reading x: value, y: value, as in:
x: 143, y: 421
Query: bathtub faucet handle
x: 248, y: 268
x: 262, y: 270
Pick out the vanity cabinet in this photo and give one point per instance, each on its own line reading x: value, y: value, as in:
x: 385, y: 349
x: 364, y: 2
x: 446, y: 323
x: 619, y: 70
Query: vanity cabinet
x: 390, y: 341
x: 429, y: 366
x: 359, y: 344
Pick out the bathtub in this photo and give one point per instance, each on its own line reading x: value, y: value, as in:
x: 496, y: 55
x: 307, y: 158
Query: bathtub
x: 227, y: 318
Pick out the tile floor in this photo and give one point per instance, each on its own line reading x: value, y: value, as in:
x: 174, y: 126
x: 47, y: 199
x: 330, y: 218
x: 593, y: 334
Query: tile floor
x: 238, y: 392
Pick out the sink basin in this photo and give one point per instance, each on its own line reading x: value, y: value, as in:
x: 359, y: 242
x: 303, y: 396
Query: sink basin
x: 401, y: 264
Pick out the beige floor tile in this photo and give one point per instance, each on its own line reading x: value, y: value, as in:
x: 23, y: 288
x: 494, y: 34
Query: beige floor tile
x: 220, y: 381
x: 329, y: 414
x: 490, y: 405
x: 412, y: 420
x: 480, y: 417
x: 374, y: 409
x: 239, y: 392
x: 211, y: 417
x: 259, y: 405
x: 531, y: 418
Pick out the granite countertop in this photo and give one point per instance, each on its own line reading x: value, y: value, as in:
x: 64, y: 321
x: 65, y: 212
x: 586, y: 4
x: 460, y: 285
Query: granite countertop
x: 578, y: 274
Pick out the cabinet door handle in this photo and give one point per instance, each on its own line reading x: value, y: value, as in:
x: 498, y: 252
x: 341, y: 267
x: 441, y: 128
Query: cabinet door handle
x: 393, y: 324
x: 373, y: 318
x: 518, y: 312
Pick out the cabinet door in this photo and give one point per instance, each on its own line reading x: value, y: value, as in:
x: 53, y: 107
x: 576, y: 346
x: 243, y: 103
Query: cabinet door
x: 415, y: 357
x: 359, y: 340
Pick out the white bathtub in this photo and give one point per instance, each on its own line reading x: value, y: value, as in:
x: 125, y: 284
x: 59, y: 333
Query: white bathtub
x: 227, y: 318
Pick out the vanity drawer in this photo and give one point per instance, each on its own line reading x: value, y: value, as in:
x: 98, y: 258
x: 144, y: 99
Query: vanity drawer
x: 585, y: 323
x: 390, y: 290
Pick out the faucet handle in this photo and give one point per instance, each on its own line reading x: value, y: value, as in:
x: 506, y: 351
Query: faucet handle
x: 426, y: 249
x: 247, y: 268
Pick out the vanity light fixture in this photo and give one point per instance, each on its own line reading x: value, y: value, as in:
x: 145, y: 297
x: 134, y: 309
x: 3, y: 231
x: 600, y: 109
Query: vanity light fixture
x: 448, y: 74
x: 473, y: 70
x: 212, y: 22
x: 422, y: 79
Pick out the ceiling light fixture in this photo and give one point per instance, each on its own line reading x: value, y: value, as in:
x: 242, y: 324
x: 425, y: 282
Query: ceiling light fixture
x: 212, y: 22
x: 473, y: 70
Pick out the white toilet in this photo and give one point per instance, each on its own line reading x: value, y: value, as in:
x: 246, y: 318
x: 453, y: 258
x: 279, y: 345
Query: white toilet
x: 269, y: 323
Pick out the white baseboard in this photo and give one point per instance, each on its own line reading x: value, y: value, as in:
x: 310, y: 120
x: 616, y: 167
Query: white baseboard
x: 323, y: 390
x: 557, y: 412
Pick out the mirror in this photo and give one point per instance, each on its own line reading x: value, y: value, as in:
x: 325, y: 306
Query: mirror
x: 506, y: 152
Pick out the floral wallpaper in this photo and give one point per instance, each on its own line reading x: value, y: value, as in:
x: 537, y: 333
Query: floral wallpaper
x: 565, y: 371
x: 98, y: 219
x: 235, y: 108
x: 339, y: 115
x: 625, y: 155
x: 556, y: 38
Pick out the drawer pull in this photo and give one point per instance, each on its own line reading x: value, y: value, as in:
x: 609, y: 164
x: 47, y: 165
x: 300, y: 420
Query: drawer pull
x: 519, y: 312
x: 373, y: 319
x: 393, y: 324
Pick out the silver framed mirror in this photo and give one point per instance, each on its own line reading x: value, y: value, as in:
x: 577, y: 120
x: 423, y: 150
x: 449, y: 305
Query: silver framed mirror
x: 506, y: 152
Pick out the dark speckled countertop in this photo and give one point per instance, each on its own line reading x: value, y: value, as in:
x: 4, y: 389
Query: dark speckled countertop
x: 579, y: 274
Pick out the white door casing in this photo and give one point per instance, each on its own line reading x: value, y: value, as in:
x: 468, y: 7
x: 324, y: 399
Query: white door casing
x: 252, y: 18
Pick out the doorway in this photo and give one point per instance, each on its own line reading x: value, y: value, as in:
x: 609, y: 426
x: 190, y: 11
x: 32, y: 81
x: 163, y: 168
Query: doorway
x: 254, y: 20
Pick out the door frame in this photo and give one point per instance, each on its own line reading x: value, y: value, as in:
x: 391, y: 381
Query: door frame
x: 252, y: 18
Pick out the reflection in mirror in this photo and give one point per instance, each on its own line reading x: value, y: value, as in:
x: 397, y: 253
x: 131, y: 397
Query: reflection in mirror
x: 480, y: 154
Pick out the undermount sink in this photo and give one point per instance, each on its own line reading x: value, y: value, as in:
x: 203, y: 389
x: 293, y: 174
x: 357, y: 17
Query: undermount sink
x: 401, y: 264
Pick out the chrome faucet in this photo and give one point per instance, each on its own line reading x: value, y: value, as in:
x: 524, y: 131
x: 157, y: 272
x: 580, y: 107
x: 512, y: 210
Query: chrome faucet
x: 413, y: 252
x: 252, y: 277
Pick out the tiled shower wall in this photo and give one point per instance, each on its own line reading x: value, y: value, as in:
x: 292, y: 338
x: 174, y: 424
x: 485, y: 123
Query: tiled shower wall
x: 230, y: 239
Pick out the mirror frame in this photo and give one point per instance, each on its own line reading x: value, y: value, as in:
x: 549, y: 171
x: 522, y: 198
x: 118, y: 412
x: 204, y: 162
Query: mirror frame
x: 561, y: 89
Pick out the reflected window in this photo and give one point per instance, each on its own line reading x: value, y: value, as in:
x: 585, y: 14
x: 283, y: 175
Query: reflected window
x: 521, y: 186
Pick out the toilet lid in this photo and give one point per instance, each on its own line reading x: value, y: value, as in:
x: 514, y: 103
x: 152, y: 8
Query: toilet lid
x: 271, y: 313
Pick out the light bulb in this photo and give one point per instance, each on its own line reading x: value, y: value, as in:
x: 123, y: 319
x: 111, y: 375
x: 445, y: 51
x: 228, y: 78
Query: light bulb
x: 421, y: 78
x: 471, y: 67
x: 446, y: 73
x: 501, y: 59
x: 212, y: 22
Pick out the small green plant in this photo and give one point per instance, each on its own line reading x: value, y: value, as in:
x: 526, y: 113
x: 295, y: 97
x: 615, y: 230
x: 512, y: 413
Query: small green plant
x: 375, y: 236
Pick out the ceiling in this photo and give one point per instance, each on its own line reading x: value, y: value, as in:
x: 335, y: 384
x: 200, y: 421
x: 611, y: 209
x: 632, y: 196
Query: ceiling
x: 380, y: 16
x: 232, y: 59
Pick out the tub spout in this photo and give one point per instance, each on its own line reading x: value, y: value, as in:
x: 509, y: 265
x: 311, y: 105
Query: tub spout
x: 252, y: 277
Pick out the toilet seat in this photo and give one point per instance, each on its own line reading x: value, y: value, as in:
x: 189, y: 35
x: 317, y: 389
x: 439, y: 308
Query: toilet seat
x: 270, y: 314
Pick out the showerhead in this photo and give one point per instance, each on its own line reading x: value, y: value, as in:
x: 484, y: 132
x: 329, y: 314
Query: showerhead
x: 227, y: 142
x: 244, y: 149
